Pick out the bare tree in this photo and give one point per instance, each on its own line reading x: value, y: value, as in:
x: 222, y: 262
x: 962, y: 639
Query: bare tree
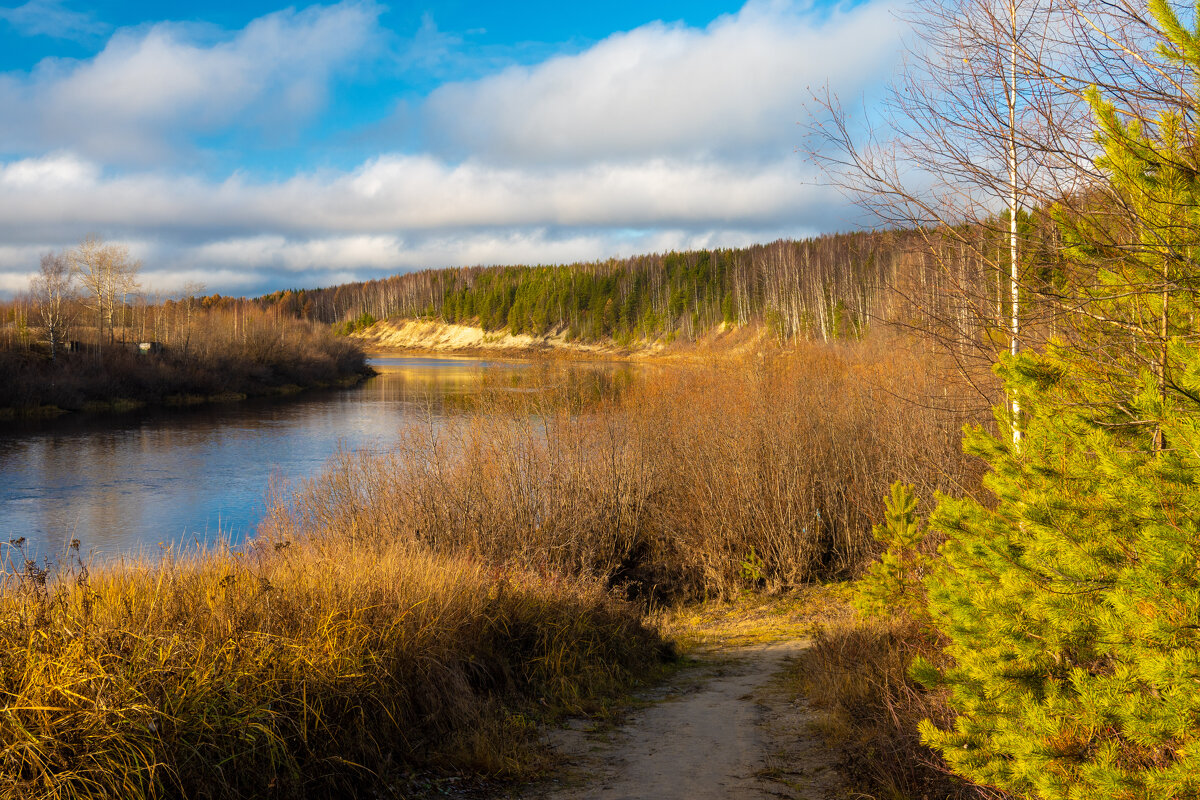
x: 108, y: 275
x: 985, y: 125
x: 53, y: 291
x: 192, y: 291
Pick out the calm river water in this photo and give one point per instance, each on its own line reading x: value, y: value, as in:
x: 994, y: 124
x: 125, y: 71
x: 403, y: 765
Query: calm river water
x: 135, y: 482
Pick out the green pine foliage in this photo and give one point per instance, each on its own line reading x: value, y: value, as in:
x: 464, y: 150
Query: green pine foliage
x: 1141, y: 248
x: 361, y: 322
x: 591, y: 304
x: 892, y: 585
x: 1072, y: 607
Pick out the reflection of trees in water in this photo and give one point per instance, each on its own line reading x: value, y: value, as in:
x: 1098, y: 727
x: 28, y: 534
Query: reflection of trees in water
x: 475, y: 387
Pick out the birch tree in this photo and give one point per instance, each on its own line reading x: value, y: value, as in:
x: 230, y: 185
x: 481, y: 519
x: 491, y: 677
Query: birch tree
x: 978, y: 129
x: 53, y: 292
x: 107, y: 274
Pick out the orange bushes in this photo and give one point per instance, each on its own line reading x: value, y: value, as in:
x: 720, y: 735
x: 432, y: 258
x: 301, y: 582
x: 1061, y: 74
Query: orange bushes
x: 697, y: 479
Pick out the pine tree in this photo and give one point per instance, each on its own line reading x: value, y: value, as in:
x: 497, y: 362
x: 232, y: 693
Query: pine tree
x: 892, y: 585
x: 1139, y: 239
x: 1071, y: 605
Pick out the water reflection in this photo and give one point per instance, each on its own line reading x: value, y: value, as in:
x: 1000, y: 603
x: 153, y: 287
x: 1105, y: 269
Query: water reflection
x: 121, y: 484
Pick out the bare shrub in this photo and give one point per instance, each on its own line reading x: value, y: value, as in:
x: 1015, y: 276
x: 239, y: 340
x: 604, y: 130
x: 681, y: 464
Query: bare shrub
x: 697, y: 479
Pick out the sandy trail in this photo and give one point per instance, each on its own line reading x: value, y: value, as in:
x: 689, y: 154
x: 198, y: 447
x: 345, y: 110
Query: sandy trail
x: 728, y: 732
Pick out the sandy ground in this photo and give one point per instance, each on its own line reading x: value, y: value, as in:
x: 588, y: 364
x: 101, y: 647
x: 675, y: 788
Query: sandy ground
x: 429, y: 336
x: 426, y: 336
x: 724, y: 729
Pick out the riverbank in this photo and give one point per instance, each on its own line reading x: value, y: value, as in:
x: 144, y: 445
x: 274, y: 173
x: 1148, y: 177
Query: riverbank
x: 425, y: 607
x: 122, y: 405
x: 296, y: 669
x: 416, y: 336
x: 118, y: 379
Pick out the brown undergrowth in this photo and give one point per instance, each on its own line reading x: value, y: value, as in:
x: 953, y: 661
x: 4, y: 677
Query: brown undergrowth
x: 856, y: 675
x: 694, y: 481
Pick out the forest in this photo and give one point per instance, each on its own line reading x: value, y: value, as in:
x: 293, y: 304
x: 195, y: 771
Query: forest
x: 822, y: 289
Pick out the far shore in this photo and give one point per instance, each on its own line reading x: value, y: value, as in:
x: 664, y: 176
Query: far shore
x: 124, y: 405
x: 394, y: 337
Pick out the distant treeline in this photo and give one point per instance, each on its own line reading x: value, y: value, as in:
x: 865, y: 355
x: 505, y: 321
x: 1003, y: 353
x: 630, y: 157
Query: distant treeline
x: 85, y: 337
x: 822, y: 288
x: 950, y: 282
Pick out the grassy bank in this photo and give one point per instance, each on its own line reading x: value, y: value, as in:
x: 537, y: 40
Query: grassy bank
x: 264, y: 356
x: 299, y: 670
x: 422, y: 608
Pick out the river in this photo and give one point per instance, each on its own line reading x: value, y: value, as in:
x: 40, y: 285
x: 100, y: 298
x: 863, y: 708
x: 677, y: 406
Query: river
x: 147, y: 480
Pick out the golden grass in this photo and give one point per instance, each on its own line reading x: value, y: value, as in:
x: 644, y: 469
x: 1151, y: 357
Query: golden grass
x: 753, y: 618
x: 292, y: 672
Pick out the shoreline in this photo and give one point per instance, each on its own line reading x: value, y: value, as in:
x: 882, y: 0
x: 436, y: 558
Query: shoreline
x: 12, y: 415
x: 395, y: 337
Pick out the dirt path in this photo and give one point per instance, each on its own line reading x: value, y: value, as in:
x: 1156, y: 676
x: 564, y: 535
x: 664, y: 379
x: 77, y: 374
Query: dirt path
x: 724, y: 729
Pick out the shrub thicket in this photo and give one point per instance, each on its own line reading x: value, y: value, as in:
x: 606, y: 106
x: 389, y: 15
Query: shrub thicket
x: 673, y: 486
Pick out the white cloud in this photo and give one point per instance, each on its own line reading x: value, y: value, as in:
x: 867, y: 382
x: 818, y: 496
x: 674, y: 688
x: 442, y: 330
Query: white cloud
x: 148, y: 88
x: 61, y: 171
x: 410, y: 193
x: 660, y: 138
x: 737, y: 86
x: 51, y: 18
x: 279, y: 252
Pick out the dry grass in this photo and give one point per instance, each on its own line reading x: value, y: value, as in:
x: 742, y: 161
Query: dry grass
x: 855, y: 676
x: 295, y: 671
x: 753, y: 618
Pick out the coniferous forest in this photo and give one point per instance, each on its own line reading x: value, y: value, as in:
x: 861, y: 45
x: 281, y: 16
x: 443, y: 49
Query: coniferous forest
x: 822, y: 289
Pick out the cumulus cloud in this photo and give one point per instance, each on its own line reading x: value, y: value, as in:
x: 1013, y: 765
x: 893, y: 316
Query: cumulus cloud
x: 664, y: 137
x: 400, y: 212
x: 150, y: 88
x: 737, y: 86
x: 405, y: 193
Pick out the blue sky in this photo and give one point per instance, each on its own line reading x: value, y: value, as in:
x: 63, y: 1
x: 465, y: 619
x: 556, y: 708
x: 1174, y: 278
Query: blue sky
x: 252, y: 146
